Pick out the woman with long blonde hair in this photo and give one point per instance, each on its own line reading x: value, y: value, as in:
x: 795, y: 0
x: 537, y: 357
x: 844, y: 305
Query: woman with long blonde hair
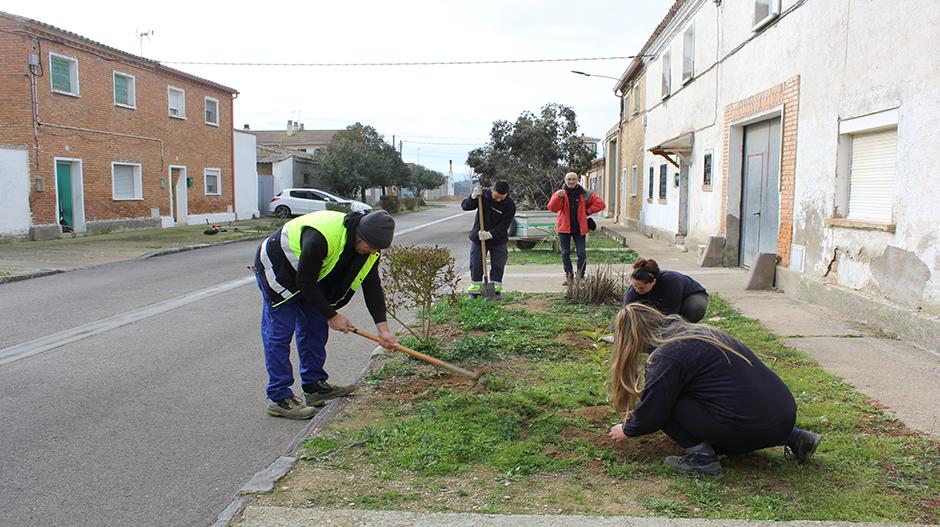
x: 703, y: 388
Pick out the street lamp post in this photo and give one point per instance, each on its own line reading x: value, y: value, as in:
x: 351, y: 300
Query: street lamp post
x: 595, y: 75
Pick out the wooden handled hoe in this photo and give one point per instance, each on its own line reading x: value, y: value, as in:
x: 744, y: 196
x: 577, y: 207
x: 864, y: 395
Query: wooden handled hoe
x: 472, y: 375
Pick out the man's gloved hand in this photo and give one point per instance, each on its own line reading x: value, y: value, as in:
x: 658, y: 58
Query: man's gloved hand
x: 477, y: 192
x: 485, y: 235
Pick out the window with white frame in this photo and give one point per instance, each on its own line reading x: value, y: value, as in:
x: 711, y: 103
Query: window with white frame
x: 212, y: 111
x: 688, y: 54
x: 213, y: 182
x: 126, y: 181
x: 63, y: 74
x: 176, y: 101
x: 125, y: 90
x: 764, y: 12
x: 636, y: 99
x: 635, y: 181
x: 667, y: 77
x: 872, y: 171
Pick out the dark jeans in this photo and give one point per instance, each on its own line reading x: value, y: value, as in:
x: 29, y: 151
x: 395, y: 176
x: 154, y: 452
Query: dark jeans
x: 694, y: 306
x: 692, y: 423
x: 579, y: 243
x: 498, y: 256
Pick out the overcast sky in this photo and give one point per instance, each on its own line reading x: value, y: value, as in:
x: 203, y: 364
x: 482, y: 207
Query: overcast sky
x: 420, y: 105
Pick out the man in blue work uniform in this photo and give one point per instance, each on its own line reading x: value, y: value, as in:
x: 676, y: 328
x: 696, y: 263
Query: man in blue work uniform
x: 307, y: 270
x: 499, y: 210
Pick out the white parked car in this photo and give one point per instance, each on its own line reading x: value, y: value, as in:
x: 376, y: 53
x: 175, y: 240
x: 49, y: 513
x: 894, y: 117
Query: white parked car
x: 296, y: 201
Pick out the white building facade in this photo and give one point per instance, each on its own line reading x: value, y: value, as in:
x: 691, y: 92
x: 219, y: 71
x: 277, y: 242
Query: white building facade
x: 805, y: 129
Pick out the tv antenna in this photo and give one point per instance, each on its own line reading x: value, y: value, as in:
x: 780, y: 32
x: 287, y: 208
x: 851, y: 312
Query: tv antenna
x: 141, y: 35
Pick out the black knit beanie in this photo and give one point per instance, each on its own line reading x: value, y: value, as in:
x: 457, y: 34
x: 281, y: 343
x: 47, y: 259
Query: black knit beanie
x: 377, y: 229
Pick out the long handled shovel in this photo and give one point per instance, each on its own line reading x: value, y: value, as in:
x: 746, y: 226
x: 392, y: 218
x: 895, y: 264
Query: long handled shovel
x: 489, y: 289
x: 472, y: 375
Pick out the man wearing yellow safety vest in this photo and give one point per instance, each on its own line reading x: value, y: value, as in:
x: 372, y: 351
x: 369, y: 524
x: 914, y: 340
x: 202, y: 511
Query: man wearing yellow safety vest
x: 307, y: 270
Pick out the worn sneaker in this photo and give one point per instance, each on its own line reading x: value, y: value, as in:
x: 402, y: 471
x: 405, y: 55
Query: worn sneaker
x: 707, y: 465
x: 324, y: 391
x: 802, y: 446
x: 291, y: 408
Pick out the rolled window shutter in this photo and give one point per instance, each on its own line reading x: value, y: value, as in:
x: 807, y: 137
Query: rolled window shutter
x: 872, y: 176
x: 124, y: 182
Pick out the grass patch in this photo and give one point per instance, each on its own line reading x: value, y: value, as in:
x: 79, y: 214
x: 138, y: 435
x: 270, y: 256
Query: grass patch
x: 531, y: 436
x: 600, y: 250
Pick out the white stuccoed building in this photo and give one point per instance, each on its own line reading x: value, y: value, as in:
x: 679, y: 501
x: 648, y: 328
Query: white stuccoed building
x: 803, y: 128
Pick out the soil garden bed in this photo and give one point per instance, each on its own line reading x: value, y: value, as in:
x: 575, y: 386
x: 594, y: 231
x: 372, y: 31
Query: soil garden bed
x: 531, y: 436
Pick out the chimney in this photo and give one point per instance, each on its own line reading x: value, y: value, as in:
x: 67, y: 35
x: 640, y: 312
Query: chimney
x: 246, y: 127
x: 301, y: 127
x: 290, y: 127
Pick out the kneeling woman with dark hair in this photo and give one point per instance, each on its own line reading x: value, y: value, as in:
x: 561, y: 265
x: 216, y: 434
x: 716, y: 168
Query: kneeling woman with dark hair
x: 703, y: 388
x: 670, y: 292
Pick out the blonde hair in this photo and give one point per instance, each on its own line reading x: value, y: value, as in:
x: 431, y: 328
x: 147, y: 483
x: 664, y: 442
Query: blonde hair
x: 640, y: 328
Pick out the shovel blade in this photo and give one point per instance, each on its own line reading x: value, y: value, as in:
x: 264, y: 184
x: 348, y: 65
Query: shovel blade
x: 488, y: 290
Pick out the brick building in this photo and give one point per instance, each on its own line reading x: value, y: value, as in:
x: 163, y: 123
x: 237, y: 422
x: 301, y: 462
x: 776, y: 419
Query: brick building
x: 114, y: 140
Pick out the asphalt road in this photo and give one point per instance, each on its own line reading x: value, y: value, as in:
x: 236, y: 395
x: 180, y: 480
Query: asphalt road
x: 127, y: 400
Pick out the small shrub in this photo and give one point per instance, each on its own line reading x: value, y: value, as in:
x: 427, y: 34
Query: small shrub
x: 413, y: 277
x: 412, y: 203
x: 599, y: 287
x: 390, y: 204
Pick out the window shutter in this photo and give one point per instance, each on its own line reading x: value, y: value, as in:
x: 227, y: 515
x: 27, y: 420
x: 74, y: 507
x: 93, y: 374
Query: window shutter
x: 120, y: 89
x: 61, y: 75
x: 871, y: 176
x: 124, y: 182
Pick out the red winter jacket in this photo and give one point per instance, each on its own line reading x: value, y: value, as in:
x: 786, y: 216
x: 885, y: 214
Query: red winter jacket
x: 560, y: 205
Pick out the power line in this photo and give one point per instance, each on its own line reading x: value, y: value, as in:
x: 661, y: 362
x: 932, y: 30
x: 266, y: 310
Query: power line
x: 369, y: 64
x: 444, y: 144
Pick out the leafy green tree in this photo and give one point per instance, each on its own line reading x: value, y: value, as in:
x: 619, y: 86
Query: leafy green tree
x: 358, y: 159
x: 423, y: 178
x: 533, y: 154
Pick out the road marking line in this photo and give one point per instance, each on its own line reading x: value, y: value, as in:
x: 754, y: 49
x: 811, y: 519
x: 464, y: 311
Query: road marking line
x: 406, y: 231
x: 49, y: 342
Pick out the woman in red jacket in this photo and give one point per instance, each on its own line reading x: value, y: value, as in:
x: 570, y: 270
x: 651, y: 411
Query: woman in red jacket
x: 573, y: 202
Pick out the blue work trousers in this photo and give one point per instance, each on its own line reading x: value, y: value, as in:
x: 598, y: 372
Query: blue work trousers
x: 278, y: 326
x: 579, y: 243
x: 498, y: 256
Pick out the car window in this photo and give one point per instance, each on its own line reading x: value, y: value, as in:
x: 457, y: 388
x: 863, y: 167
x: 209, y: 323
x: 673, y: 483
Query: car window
x: 298, y: 194
x: 323, y: 196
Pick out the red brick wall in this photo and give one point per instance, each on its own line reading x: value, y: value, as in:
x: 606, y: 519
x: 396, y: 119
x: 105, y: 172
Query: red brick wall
x: 786, y: 94
x: 159, y: 140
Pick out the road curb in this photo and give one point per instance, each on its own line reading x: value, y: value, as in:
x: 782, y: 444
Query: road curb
x: 27, y: 276
x: 284, y: 463
x: 184, y: 248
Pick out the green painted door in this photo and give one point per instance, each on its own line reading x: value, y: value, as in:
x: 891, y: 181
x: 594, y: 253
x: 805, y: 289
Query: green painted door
x: 63, y: 183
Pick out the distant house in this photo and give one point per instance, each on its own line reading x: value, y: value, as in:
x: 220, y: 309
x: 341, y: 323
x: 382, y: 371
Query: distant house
x: 280, y: 168
x: 111, y: 140
x: 295, y: 137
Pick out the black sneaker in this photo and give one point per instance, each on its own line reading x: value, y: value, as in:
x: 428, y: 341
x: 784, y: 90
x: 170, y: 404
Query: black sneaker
x: 704, y: 464
x: 802, y: 447
x: 323, y: 391
x: 291, y: 408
